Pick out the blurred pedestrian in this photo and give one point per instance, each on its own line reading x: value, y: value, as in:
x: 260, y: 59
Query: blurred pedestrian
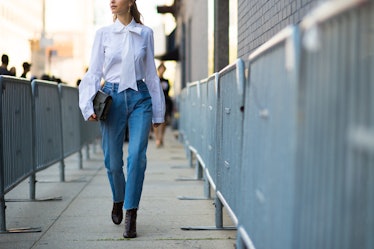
x: 26, y: 68
x: 160, y: 131
x: 45, y: 77
x: 123, y: 55
x: 4, y: 65
x: 13, y: 71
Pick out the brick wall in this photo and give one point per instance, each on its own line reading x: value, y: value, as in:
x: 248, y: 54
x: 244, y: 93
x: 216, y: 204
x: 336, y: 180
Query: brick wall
x: 259, y: 20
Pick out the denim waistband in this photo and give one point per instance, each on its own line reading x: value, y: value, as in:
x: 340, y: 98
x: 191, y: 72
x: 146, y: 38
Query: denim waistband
x: 114, y: 86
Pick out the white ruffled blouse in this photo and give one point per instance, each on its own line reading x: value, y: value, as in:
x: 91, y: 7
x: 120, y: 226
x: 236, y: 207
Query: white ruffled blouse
x: 108, y: 63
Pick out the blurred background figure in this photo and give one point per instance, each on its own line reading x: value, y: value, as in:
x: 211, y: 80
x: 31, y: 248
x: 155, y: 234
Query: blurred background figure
x: 26, y: 68
x: 12, y: 71
x: 160, y: 131
x: 4, y: 65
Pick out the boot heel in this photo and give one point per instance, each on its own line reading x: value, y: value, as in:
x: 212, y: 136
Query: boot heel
x: 130, y: 223
x: 117, y: 213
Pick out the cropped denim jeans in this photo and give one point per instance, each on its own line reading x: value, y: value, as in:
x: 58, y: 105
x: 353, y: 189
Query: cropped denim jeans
x: 132, y: 109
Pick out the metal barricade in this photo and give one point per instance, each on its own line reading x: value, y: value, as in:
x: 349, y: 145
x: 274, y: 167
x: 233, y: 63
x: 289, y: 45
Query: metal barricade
x: 16, y: 150
x: 231, y: 81
x: 194, y: 117
x: 48, y: 124
x: 211, y: 129
x: 295, y: 170
x: 269, y: 146
x: 211, y: 123
x: 47, y: 129
x: 71, y: 116
x: 203, y: 130
x: 40, y: 125
x: 90, y: 132
x: 191, y: 127
x: 16, y: 131
x: 182, y: 126
x: 335, y: 176
x: 203, y: 122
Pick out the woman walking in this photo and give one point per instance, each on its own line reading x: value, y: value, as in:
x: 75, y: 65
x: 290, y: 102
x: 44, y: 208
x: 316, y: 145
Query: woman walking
x: 123, y: 56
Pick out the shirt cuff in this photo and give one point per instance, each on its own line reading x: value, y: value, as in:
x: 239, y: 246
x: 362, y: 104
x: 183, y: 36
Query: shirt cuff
x: 158, y: 120
x: 88, y: 112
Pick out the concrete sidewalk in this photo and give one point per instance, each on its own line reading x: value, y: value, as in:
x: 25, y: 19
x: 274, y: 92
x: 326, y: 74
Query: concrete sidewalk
x: 81, y: 219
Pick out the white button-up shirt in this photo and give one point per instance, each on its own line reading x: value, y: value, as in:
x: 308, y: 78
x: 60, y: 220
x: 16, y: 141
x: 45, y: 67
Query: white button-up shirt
x: 106, y: 63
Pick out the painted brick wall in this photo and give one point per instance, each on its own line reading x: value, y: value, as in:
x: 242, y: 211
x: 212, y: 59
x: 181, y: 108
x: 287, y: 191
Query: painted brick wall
x: 259, y: 20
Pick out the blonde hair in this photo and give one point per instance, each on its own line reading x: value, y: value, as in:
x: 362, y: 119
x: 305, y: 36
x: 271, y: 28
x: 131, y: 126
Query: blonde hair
x: 134, y: 12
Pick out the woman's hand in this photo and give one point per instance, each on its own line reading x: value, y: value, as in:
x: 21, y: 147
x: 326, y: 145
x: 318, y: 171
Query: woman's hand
x: 155, y: 125
x: 93, y: 117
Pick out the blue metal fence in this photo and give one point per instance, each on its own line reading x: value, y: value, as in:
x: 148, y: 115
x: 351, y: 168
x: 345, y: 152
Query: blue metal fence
x: 48, y: 125
x: 70, y: 117
x: 290, y: 151
x: 17, y: 158
x: 267, y: 179
x: 40, y: 125
x: 229, y: 134
x: 335, y: 177
x: 210, y: 118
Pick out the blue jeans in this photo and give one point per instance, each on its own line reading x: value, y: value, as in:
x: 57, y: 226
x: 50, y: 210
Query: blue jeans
x: 132, y: 109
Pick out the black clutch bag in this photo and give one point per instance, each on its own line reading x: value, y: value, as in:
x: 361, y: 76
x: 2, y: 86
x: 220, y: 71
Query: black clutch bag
x: 101, y: 104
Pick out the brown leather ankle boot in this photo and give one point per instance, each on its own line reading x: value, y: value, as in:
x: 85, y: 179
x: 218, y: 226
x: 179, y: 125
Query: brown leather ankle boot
x: 130, y: 223
x: 117, y: 212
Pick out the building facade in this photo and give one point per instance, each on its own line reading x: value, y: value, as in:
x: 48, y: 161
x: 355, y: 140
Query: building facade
x: 213, y: 33
x: 20, y: 22
x: 55, y: 36
x: 258, y: 21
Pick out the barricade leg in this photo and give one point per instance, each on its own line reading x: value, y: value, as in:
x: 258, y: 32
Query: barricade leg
x: 32, y: 191
x: 219, y: 212
x: 3, y: 220
x: 199, y: 177
x: 219, y: 220
x: 87, y: 151
x: 80, y: 155
x: 2, y: 214
x: 198, y: 171
x: 190, y: 156
x: 32, y: 186
x: 62, y: 170
x: 207, y: 189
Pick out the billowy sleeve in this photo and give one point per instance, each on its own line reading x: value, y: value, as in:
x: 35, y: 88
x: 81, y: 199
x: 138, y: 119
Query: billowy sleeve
x: 153, y: 83
x: 90, y: 83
